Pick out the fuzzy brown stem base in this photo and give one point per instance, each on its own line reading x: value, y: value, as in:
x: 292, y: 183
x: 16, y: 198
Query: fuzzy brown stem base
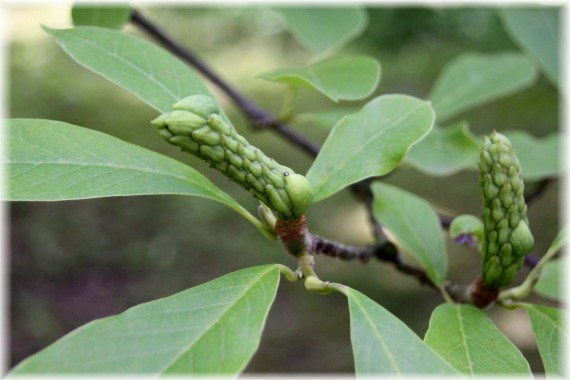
x: 481, y: 294
x: 293, y: 235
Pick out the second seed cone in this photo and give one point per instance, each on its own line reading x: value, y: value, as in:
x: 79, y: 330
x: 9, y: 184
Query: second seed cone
x: 507, y: 235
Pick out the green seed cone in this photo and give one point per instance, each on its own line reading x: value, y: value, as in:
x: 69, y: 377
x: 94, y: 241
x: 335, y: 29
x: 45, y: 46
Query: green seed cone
x: 507, y: 235
x: 195, y: 125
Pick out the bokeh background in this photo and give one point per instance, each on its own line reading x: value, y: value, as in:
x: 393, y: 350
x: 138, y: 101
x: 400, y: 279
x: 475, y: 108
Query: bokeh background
x: 75, y: 261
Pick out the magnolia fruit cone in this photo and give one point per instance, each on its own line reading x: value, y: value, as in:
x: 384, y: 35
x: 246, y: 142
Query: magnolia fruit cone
x: 507, y: 237
x: 195, y: 125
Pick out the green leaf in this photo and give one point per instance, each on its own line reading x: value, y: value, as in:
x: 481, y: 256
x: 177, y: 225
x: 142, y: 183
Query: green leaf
x: 113, y: 17
x: 141, y: 67
x: 539, y: 158
x: 324, y: 119
x: 51, y: 161
x: 474, y: 79
x: 324, y: 28
x: 212, y: 328
x: 446, y: 151
x: 469, y: 340
x: 369, y: 143
x: 382, y: 344
x: 550, y: 332
x: 338, y: 78
x: 415, y: 225
x: 550, y: 283
x: 537, y: 31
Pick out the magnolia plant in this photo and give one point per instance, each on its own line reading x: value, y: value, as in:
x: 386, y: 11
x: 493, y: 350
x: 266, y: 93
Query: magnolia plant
x: 216, y: 327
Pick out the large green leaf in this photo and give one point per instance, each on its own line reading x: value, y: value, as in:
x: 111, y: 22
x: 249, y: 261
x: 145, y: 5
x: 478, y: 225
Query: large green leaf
x: 415, y: 225
x: 51, y: 161
x: 445, y: 151
x: 338, y: 78
x: 548, y: 325
x: 212, y: 328
x: 469, y: 340
x: 370, y: 142
x: 537, y: 31
x: 322, y: 28
x: 109, y: 16
x: 141, y: 67
x: 539, y: 158
x: 384, y: 345
x: 472, y: 79
x: 550, y: 284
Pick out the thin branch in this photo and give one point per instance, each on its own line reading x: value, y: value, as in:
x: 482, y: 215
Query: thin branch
x: 387, y: 251
x: 258, y: 116
x: 331, y: 248
x: 384, y: 252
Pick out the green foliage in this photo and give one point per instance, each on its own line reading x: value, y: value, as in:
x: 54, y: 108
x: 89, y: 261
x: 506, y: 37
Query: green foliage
x: 212, y: 328
x: 370, y: 142
x: 141, y: 67
x: 537, y: 31
x: 338, y: 78
x: 384, y: 345
x: 445, y: 151
x: 217, y: 327
x: 113, y: 17
x: 539, y: 158
x: 471, y: 343
x: 415, y: 225
x: 471, y: 80
x: 548, y: 325
x: 550, y: 282
x: 322, y: 29
x: 50, y: 161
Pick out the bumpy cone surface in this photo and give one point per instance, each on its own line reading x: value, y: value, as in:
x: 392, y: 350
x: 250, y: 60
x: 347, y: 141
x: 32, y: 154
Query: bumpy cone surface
x: 507, y: 235
x: 195, y: 125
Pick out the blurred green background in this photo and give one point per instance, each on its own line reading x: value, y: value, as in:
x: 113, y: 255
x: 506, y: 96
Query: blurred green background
x: 75, y: 261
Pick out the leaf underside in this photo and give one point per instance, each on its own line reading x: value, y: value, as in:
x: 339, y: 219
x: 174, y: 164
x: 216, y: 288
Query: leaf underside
x: 384, y: 345
x: 212, y: 328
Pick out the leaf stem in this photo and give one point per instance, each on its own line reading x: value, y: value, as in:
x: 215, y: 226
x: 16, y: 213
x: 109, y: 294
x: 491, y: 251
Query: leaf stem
x: 288, y: 273
x: 524, y: 289
x: 253, y: 220
x: 312, y: 281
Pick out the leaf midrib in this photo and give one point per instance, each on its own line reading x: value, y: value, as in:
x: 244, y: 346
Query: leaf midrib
x: 189, y: 346
x: 347, y: 158
x: 149, y: 75
x: 378, y: 335
x: 464, y: 340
